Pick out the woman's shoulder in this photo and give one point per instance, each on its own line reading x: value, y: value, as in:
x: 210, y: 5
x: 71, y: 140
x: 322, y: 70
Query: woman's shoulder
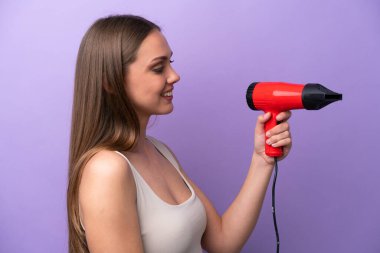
x: 106, y: 167
x: 107, y: 197
x: 107, y: 161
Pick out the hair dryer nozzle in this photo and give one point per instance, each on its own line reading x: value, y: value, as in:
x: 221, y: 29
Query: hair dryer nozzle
x: 315, y: 96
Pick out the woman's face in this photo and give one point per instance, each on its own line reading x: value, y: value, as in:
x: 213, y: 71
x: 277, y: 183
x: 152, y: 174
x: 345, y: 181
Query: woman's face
x: 150, y: 78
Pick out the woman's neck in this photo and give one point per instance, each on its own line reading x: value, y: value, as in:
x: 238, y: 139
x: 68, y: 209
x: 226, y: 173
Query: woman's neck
x: 142, y: 145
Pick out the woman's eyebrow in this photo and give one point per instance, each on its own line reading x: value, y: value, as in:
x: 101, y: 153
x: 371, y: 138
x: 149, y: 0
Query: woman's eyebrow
x: 163, y: 57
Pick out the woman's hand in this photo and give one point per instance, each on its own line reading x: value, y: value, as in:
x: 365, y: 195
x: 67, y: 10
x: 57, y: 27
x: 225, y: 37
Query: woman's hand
x: 278, y: 136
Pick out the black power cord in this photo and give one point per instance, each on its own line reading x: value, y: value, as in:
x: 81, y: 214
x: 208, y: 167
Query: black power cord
x: 273, y: 204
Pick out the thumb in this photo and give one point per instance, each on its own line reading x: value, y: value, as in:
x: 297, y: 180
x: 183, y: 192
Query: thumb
x: 261, y: 120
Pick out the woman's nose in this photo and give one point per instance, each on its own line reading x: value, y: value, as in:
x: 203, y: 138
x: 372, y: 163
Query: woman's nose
x: 173, y: 76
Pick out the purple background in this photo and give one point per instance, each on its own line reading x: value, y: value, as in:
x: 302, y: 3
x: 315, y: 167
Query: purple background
x: 328, y: 188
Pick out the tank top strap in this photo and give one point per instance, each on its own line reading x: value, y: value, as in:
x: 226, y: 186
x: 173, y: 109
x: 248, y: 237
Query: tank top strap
x: 135, y: 173
x: 165, y: 152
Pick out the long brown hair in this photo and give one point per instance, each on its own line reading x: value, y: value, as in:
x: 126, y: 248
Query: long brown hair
x: 102, y: 115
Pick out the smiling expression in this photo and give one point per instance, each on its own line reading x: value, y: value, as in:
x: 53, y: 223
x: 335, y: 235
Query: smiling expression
x: 150, y: 78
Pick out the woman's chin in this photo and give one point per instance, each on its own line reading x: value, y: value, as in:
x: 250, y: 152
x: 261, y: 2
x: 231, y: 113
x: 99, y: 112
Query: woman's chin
x: 166, y: 110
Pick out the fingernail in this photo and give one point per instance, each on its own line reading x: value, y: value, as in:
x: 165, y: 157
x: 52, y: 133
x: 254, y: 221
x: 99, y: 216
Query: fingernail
x: 267, y: 134
x: 269, y: 142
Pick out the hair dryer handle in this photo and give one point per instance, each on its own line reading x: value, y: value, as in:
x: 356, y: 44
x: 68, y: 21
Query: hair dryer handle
x: 269, y: 150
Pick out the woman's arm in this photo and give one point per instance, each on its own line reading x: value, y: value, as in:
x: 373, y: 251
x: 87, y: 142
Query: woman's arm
x: 229, y: 232
x: 107, y: 197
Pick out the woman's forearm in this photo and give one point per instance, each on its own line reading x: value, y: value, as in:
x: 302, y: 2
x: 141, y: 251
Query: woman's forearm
x: 241, y: 217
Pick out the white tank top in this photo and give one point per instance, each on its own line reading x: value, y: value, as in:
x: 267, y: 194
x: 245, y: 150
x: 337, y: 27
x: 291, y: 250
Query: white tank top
x: 167, y: 228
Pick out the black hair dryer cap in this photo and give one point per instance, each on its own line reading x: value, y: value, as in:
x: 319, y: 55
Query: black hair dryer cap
x: 315, y: 96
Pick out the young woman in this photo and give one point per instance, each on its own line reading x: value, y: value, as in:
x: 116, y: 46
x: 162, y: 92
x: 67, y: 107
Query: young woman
x: 127, y: 192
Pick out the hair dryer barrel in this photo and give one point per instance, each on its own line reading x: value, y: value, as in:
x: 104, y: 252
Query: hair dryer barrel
x: 276, y: 97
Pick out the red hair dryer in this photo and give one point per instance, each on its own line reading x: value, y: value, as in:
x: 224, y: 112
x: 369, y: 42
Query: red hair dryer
x: 276, y: 97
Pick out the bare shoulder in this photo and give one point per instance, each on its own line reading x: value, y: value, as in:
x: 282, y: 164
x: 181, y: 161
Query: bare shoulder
x: 106, y: 163
x: 102, y: 173
x: 107, y: 197
x: 106, y: 173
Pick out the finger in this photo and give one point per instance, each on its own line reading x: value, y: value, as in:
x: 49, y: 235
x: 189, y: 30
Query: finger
x: 278, y: 137
x: 261, y: 122
x: 283, y: 116
x: 282, y: 127
x: 282, y: 143
x: 264, y: 118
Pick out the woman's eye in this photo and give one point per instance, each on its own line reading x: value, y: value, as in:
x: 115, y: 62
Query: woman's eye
x: 158, y: 70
